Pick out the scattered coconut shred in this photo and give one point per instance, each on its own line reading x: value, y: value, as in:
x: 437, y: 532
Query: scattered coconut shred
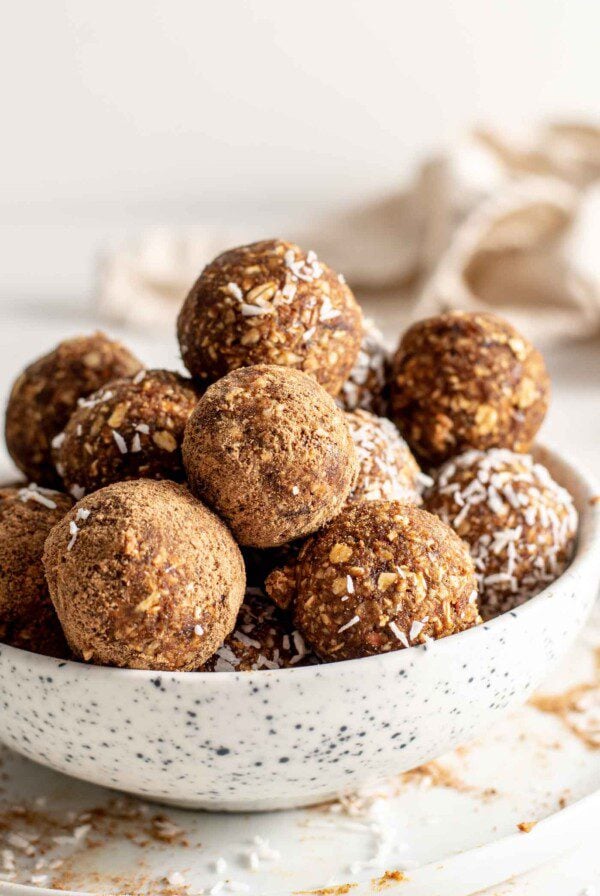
x: 43, y: 848
x: 81, y: 516
x: 42, y: 496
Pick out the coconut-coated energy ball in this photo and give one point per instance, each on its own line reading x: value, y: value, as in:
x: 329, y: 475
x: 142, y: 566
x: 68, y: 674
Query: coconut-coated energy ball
x: 130, y: 429
x: 519, y: 523
x: 143, y: 576
x: 270, y: 303
x: 270, y: 451
x: 387, y: 469
x: 381, y: 576
x: 27, y: 617
x: 465, y: 380
x: 366, y: 386
x: 263, y: 638
x: 45, y: 395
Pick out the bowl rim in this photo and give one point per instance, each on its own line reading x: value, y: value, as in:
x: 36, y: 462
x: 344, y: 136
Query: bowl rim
x: 588, y: 543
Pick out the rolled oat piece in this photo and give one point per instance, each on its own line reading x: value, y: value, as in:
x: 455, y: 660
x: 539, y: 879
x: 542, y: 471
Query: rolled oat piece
x: 270, y: 303
x: 518, y: 522
x: 143, y: 576
x: 466, y: 380
x: 45, y: 395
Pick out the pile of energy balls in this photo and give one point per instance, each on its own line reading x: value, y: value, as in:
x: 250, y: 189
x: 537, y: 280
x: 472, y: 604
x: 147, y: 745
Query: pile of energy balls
x: 301, y: 497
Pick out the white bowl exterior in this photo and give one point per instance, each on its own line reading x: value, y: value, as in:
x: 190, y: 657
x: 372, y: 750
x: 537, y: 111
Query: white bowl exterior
x: 277, y: 739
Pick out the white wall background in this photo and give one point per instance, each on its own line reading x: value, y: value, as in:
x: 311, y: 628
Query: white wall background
x: 119, y: 113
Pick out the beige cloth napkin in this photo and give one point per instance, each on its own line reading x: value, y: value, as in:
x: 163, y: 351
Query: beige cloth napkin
x: 494, y: 224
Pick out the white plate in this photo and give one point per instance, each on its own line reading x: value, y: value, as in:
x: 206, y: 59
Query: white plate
x: 454, y: 838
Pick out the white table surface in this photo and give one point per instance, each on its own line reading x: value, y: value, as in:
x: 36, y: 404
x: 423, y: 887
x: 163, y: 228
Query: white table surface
x: 27, y: 328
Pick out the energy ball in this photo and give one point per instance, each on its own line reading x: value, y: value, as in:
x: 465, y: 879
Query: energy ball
x: 270, y: 451
x: 519, y: 523
x: 387, y: 469
x: 131, y: 429
x: 143, y: 576
x: 46, y: 394
x: 263, y: 638
x: 270, y: 303
x: 462, y: 380
x: 380, y: 577
x: 27, y: 617
x: 366, y: 387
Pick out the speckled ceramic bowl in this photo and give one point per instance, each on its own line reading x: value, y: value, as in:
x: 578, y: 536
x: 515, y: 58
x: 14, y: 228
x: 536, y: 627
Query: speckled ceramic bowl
x: 283, y: 738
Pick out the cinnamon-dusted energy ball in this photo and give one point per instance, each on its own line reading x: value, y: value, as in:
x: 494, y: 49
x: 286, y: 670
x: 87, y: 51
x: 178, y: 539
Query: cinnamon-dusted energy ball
x: 381, y: 576
x: 387, y: 469
x: 464, y: 380
x: 366, y: 387
x: 519, y: 523
x: 144, y: 576
x: 270, y: 303
x: 131, y: 429
x: 263, y: 638
x: 46, y: 394
x: 27, y: 617
x: 269, y: 449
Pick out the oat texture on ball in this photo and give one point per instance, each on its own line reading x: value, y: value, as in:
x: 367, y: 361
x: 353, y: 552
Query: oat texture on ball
x: 270, y: 303
x: 270, y: 451
x: 45, y: 395
x: 130, y: 429
x: 519, y: 523
x: 465, y: 380
x: 381, y: 576
x: 366, y: 386
x: 263, y: 638
x: 27, y: 616
x: 143, y: 576
x: 387, y: 469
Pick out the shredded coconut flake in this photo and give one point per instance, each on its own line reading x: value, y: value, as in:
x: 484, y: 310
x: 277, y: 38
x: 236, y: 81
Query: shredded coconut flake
x: 399, y: 634
x: 416, y: 629
x: 73, y: 532
x: 353, y: 621
x: 120, y: 441
x: 32, y: 492
x: 234, y: 290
